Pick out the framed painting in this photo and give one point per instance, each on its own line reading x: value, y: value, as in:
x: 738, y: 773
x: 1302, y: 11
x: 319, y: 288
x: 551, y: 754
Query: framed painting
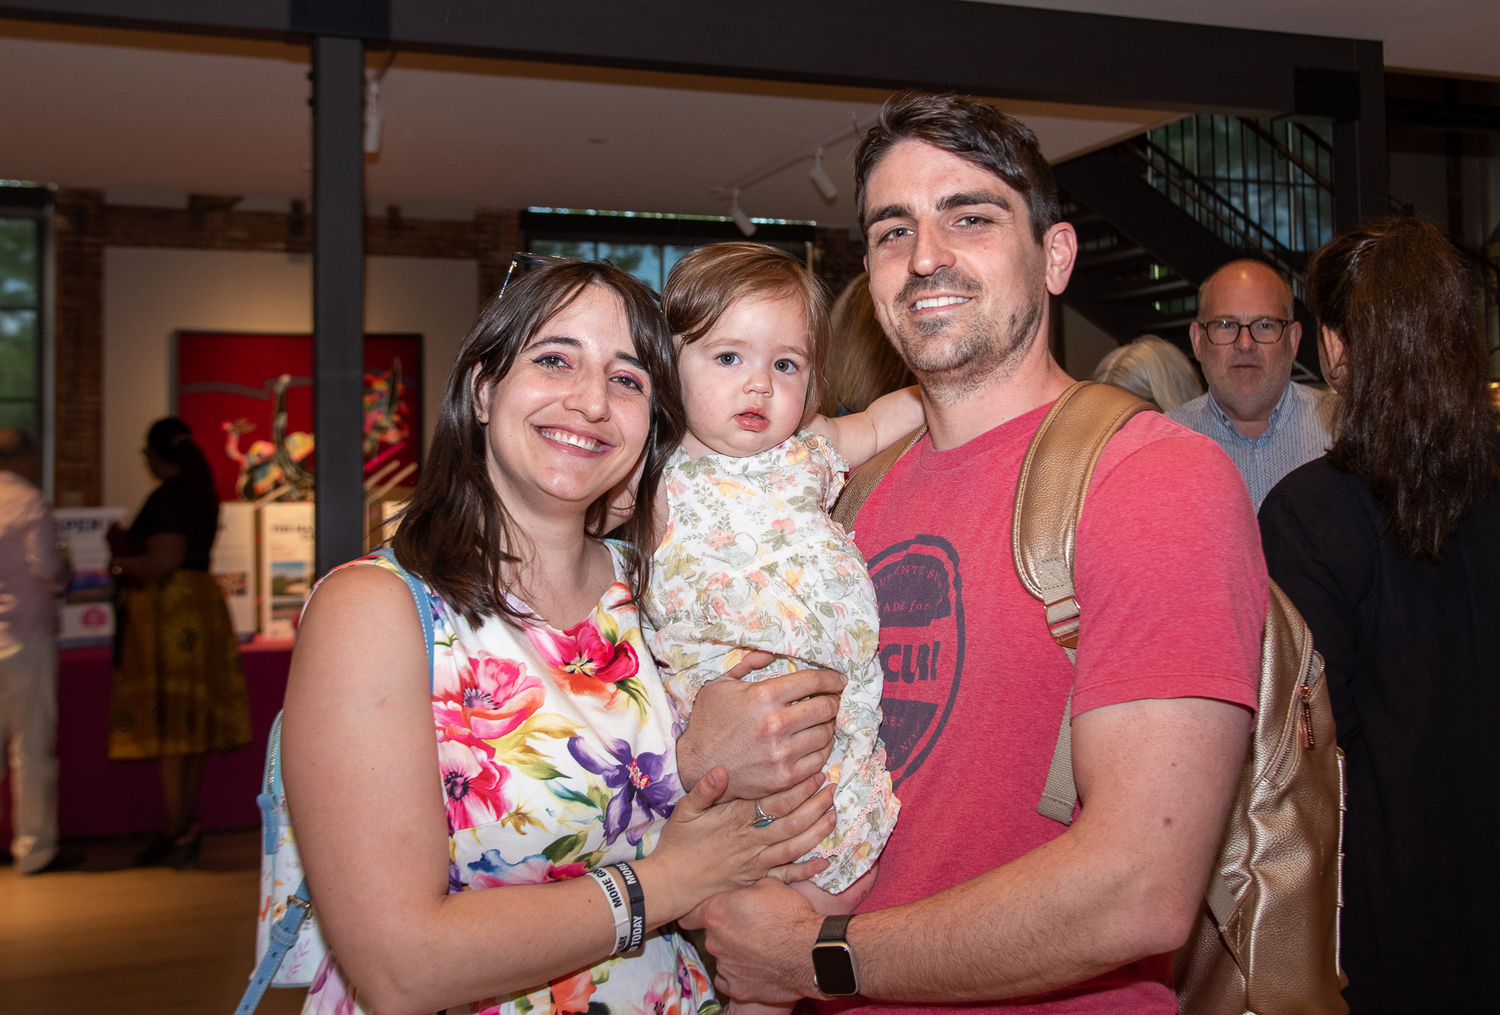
x: 248, y: 398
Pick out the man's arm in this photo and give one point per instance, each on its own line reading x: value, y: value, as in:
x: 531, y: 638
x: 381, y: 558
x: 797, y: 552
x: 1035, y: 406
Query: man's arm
x: 860, y: 436
x: 1125, y: 881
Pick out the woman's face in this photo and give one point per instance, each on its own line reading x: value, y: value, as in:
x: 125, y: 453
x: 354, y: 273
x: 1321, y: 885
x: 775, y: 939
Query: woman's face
x: 570, y: 419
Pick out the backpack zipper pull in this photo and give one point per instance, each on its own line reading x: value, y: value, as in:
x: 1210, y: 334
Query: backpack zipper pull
x: 1304, y: 692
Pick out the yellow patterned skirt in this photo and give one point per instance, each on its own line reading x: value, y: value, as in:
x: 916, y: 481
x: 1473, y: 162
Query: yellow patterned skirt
x: 178, y: 686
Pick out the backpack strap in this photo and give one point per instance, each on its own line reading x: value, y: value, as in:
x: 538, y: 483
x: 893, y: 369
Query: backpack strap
x: 1055, y: 477
x: 299, y: 904
x: 867, y: 477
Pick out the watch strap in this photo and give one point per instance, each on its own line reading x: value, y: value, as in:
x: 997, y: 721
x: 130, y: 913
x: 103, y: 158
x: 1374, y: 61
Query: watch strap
x: 834, y: 929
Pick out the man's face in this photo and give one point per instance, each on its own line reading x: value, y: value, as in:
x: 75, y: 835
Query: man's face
x: 958, y: 282
x: 1246, y: 377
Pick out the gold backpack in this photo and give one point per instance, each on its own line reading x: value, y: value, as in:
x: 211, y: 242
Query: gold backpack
x: 1266, y: 939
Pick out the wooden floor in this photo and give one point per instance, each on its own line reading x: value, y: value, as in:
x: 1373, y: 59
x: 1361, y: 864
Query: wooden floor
x: 107, y: 938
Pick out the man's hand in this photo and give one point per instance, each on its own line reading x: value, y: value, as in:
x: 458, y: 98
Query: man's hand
x: 769, y: 735
x: 762, y: 938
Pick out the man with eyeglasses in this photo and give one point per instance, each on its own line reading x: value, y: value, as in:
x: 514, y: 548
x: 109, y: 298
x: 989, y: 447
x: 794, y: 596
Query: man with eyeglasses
x: 1246, y: 341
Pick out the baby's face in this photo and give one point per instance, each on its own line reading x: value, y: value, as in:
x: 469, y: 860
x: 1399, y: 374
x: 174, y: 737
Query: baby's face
x: 745, y: 382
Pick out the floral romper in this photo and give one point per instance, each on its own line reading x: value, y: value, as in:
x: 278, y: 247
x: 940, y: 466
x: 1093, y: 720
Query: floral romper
x: 751, y: 560
x: 556, y: 755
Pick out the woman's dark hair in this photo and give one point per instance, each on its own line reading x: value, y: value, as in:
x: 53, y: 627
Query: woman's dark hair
x: 172, y: 440
x: 456, y: 534
x: 976, y: 132
x: 1415, y: 420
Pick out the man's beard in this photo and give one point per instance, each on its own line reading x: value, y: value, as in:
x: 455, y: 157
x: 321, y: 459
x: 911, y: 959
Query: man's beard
x: 951, y: 364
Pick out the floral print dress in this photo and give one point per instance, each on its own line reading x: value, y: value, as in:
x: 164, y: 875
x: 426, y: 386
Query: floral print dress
x: 556, y: 755
x: 751, y: 560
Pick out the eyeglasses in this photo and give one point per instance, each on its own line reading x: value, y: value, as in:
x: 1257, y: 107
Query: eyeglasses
x: 521, y: 263
x: 1224, y: 330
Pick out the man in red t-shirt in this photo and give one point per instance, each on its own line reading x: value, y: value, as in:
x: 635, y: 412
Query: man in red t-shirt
x: 981, y: 902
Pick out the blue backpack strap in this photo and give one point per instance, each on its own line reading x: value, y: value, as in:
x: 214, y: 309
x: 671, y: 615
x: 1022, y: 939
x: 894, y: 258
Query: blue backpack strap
x: 420, y: 597
x: 299, y: 904
x: 283, y: 936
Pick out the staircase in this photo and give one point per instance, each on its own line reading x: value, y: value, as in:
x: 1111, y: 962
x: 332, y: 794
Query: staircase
x: 1156, y: 215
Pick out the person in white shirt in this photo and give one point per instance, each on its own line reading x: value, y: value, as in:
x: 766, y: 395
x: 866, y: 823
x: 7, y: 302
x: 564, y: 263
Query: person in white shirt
x: 32, y: 575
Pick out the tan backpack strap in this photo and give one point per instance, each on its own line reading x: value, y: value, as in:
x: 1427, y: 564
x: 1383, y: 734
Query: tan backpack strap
x: 868, y: 476
x: 1055, y: 477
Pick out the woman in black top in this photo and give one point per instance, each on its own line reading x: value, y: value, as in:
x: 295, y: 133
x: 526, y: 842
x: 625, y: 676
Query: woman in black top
x: 179, y: 691
x: 1390, y: 548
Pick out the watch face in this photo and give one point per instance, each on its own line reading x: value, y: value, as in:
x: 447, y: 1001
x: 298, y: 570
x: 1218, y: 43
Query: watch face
x: 833, y: 968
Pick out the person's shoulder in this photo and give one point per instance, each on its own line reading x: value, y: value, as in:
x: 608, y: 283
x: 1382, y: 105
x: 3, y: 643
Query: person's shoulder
x: 1189, y: 412
x: 1317, y: 489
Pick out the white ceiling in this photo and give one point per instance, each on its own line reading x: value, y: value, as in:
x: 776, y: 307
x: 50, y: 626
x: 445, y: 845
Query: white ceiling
x: 1459, y: 37
x: 150, y: 118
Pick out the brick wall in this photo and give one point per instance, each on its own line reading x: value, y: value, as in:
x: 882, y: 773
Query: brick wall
x: 78, y: 345
x: 85, y: 226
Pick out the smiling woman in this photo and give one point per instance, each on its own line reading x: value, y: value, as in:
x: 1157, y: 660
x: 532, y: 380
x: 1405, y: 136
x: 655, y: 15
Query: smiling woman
x: 540, y: 757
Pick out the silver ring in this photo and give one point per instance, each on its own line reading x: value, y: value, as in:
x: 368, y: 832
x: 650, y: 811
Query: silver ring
x: 762, y: 819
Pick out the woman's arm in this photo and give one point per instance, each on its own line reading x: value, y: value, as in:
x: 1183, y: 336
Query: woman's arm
x: 860, y: 436
x: 164, y: 554
x: 365, y: 794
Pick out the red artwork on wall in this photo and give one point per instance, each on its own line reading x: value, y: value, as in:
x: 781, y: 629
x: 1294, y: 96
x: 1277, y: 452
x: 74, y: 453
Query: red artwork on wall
x: 249, y: 401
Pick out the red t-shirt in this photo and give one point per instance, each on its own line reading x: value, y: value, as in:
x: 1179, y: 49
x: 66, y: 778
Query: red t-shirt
x: 1173, y: 592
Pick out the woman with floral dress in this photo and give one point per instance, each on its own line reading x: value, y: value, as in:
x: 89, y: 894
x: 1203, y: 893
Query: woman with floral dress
x: 546, y: 746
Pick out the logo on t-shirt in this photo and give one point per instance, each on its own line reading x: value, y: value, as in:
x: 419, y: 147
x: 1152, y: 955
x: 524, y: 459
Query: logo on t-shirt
x: 921, y: 646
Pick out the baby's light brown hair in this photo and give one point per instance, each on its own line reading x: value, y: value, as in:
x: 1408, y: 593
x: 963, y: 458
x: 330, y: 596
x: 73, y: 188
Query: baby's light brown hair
x: 703, y: 285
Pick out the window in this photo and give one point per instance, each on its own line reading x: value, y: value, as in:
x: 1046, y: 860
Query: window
x: 22, y: 284
x: 644, y: 244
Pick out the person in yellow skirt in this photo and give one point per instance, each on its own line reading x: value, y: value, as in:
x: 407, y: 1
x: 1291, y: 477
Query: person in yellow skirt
x: 179, y: 691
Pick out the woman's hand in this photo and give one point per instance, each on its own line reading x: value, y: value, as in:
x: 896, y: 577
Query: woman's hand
x: 769, y: 735
x: 708, y: 846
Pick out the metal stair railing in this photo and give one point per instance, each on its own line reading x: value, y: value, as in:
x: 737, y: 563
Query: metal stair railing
x: 1212, y: 209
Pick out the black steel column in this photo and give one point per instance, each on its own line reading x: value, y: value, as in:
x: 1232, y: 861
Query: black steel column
x: 338, y: 296
x: 1361, y: 162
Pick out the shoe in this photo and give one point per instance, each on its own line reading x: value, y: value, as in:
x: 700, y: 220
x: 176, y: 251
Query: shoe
x: 155, y: 852
x: 185, y: 849
x: 65, y: 860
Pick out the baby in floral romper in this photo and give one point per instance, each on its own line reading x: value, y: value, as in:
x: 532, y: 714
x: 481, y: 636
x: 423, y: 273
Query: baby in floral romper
x: 750, y: 558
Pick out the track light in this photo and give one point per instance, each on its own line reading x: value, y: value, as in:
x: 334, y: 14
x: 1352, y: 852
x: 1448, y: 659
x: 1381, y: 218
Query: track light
x: 738, y: 214
x: 822, y: 180
x: 373, y: 119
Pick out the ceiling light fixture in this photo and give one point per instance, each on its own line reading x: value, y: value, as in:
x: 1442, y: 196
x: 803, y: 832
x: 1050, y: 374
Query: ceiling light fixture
x: 738, y: 214
x: 373, y: 119
x: 820, y: 176
x: 822, y: 180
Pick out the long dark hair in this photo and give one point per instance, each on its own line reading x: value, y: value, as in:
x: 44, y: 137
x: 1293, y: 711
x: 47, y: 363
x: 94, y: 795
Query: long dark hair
x: 456, y: 534
x: 172, y: 440
x: 1415, y: 421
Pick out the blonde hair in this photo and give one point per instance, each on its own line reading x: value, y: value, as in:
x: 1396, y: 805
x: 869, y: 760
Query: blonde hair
x: 1153, y: 369
x: 862, y: 363
x: 703, y: 285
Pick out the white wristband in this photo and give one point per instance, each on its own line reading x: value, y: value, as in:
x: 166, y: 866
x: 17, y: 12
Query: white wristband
x: 618, y: 907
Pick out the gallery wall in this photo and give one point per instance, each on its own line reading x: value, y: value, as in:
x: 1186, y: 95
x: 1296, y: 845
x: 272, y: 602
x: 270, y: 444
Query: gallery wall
x: 149, y: 293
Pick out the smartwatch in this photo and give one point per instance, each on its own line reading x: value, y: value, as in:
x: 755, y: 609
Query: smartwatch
x: 834, y: 971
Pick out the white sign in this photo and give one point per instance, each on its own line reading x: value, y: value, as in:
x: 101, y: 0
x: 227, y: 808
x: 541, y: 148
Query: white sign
x: 86, y: 615
x: 233, y: 563
x: 286, y: 566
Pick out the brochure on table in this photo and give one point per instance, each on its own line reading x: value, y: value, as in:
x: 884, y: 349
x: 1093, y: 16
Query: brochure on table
x: 286, y: 566
x: 86, y: 615
x: 233, y: 564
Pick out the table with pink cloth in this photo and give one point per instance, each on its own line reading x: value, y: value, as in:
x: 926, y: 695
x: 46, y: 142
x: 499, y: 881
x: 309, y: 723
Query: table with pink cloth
x: 97, y: 796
